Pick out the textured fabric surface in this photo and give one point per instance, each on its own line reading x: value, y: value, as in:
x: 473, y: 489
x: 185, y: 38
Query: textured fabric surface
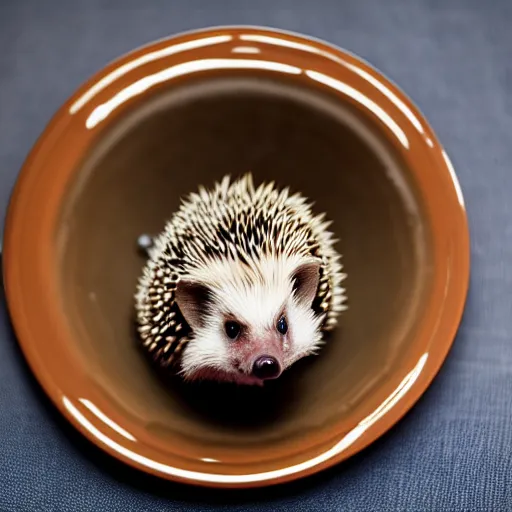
x: 453, y: 451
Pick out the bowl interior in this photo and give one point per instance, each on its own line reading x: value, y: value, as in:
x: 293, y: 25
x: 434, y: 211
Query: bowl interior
x: 132, y: 181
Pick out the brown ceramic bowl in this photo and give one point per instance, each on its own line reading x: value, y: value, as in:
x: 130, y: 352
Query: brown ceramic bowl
x: 181, y: 112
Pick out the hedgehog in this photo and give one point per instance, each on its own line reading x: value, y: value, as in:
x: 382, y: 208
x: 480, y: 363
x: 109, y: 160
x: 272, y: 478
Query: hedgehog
x: 241, y: 283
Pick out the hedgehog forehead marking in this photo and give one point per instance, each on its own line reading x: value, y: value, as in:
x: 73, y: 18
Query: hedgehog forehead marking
x: 254, y: 294
x: 243, y: 242
x: 256, y: 305
x: 234, y: 275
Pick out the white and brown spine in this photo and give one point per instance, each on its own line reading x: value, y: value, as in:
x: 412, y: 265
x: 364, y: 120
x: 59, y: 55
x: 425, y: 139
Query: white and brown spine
x: 234, y: 220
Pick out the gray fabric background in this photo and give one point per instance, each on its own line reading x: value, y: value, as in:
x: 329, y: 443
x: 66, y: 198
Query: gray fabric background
x: 454, y: 58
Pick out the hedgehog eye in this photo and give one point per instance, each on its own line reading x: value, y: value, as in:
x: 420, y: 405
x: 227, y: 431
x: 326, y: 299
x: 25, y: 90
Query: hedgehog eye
x: 282, y: 326
x: 232, y: 329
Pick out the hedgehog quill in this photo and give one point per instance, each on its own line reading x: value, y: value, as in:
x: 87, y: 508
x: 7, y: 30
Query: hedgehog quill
x: 242, y: 283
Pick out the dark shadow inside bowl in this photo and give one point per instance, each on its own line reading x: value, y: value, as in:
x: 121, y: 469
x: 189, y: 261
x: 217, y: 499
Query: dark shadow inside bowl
x: 132, y: 181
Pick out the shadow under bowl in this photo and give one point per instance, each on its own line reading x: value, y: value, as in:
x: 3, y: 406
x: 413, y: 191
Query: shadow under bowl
x: 114, y: 163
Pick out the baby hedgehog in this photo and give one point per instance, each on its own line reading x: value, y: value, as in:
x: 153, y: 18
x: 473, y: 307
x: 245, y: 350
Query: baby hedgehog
x: 241, y: 284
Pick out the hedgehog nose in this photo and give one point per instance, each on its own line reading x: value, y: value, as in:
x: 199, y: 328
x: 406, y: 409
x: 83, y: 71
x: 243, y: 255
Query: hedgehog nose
x: 266, y: 367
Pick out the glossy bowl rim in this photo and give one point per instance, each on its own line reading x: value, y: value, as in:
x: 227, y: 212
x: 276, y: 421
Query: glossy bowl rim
x: 15, y: 299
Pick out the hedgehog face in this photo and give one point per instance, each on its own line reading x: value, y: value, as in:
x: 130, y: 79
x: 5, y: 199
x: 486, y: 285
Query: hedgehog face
x: 249, y: 324
x: 228, y: 290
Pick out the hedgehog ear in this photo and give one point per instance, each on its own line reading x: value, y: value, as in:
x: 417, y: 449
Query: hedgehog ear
x: 305, y: 281
x: 193, y: 298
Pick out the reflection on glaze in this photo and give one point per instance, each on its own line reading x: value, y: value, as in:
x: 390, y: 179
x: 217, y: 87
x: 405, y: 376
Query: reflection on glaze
x: 102, y: 111
x: 331, y: 56
x: 286, y: 43
x: 338, y: 448
x: 144, y: 59
x: 363, y: 100
x: 398, y: 394
x: 455, y: 180
x: 245, y: 49
x: 103, y: 417
x: 389, y: 94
